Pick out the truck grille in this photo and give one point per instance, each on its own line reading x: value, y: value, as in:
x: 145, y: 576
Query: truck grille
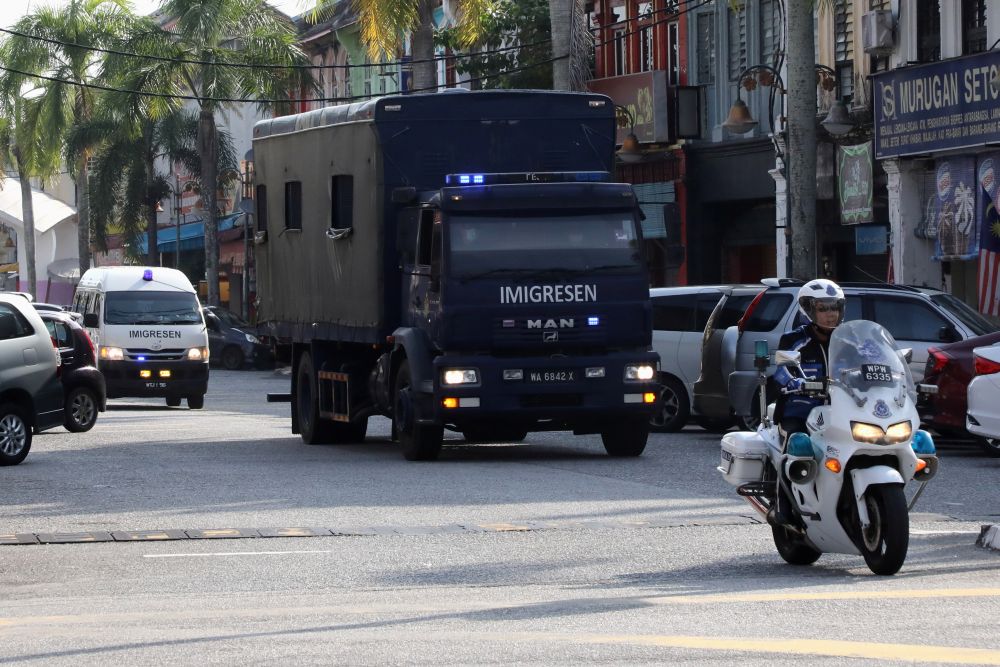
x: 507, y: 332
x: 169, y: 354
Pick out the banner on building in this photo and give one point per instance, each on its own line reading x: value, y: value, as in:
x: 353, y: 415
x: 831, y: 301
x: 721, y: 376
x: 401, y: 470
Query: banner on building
x: 855, y: 183
x: 955, y: 211
x: 989, y: 236
x: 871, y: 240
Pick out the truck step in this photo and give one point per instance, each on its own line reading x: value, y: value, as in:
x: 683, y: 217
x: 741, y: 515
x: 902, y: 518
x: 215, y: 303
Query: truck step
x: 279, y: 398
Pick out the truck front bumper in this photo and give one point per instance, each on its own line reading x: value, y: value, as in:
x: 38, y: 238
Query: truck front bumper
x: 165, y: 378
x: 582, y: 394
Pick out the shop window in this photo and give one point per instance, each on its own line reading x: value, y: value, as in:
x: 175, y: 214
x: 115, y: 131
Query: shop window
x: 843, y: 47
x: 293, y: 205
x: 706, y: 48
x: 928, y: 31
x: 973, y: 26
x: 737, y: 23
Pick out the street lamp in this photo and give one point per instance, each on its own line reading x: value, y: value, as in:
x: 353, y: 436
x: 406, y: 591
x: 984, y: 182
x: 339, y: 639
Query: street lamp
x: 838, y: 122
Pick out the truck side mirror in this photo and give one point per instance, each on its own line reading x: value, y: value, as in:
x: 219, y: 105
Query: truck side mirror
x: 91, y: 321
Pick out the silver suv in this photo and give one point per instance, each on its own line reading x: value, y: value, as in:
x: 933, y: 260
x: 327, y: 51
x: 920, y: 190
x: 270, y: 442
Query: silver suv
x: 917, y: 317
x: 31, y: 395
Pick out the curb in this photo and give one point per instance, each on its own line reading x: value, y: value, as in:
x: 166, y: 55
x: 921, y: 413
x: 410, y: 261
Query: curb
x: 989, y: 537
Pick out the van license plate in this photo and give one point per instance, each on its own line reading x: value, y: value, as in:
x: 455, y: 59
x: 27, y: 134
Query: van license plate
x: 156, y: 385
x: 551, y: 376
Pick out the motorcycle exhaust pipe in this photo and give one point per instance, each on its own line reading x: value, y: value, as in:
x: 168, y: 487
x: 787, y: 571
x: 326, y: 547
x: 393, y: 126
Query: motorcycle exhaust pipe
x: 801, y: 470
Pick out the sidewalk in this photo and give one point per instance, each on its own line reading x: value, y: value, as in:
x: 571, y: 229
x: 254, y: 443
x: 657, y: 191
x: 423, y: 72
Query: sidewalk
x: 989, y: 538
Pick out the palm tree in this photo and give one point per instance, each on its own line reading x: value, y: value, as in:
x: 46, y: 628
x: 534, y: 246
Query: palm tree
x: 384, y: 23
x: 214, y: 33
x: 64, y: 103
x: 571, y: 44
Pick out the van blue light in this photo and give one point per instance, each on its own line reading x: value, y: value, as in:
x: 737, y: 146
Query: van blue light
x: 140, y: 358
x: 147, y: 274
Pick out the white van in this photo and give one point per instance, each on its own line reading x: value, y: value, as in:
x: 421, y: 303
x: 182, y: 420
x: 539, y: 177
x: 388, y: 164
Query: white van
x: 150, y: 335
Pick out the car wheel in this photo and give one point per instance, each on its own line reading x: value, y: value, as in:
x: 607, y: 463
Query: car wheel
x: 173, y: 401
x: 751, y: 421
x: 196, y: 402
x: 991, y: 446
x: 674, y: 407
x: 15, y: 434
x: 80, y: 410
x: 714, y: 424
x: 232, y: 358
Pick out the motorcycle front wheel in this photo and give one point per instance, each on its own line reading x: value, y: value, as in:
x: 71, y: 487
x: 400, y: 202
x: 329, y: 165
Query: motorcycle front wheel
x: 885, y: 542
x: 793, y: 548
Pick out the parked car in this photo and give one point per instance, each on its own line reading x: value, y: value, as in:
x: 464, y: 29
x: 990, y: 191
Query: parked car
x: 951, y: 367
x: 31, y: 396
x: 53, y: 308
x: 711, y: 389
x: 232, y: 341
x: 917, y: 318
x: 983, y: 417
x: 84, y: 390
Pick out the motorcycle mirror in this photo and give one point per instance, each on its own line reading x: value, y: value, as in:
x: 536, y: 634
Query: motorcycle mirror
x: 906, y: 354
x: 786, y: 358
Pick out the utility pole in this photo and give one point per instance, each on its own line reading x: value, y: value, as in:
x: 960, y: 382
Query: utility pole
x: 800, y: 158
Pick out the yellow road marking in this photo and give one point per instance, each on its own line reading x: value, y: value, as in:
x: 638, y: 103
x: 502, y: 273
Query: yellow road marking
x: 504, y: 527
x: 911, y: 594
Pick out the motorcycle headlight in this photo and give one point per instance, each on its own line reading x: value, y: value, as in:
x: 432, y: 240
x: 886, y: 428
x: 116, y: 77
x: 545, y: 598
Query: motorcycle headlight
x: 898, y: 433
x: 252, y: 339
x: 639, y: 372
x: 869, y: 433
x: 111, y: 353
x: 454, y: 376
x: 198, y: 354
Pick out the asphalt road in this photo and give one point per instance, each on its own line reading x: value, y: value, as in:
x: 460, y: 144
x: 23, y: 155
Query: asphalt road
x: 542, y: 553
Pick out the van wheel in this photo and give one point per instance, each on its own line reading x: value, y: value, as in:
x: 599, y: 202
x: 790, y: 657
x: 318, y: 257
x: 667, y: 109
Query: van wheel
x: 80, y: 412
x: 419, y: 442
x: 196, y: 402
x: 232, y: 358
x: 627, y: 438
x: 173, y: 401
x: 674, y: 406
x: 15, y: 434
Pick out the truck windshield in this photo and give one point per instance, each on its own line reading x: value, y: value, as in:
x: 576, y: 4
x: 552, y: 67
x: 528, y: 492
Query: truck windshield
x: 148, y: 307
x: 484, y: 245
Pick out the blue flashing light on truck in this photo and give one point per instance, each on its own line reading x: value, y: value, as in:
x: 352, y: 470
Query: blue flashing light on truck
x: 459, y: 261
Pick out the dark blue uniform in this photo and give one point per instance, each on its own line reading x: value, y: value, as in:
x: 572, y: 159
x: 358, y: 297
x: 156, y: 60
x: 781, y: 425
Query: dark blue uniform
x: 814, y: 353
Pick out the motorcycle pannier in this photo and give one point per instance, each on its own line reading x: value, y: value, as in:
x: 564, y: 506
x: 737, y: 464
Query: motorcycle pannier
x: 743, y: 457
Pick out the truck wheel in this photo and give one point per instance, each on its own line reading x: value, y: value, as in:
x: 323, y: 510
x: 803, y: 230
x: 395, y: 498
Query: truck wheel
x: 232, y: 358
x: 15, y: 434
x: 80, y: 412
x: 499, y: 434
x: 314, y: 431
x: 173, y: 401
x: 419, y: 442
x: 674, y: 406
x: 196, y: 402
x: 628, y: 438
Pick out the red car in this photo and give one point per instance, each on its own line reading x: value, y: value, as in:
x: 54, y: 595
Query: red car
x: 951, y: 367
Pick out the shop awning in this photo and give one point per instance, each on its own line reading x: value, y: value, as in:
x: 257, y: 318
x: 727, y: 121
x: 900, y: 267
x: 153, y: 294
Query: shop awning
x: 48, y: 210
x: 192, y: 235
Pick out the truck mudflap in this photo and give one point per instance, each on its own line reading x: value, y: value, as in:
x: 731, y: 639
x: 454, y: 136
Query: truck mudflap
x: 582, y: 394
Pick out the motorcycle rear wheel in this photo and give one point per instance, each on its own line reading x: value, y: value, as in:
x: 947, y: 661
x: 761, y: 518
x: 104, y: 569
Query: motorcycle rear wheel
x: 793, y: 548
x: 885, y: 542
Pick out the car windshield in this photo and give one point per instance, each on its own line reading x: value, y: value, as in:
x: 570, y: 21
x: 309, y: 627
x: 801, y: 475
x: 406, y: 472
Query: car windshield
x: 148, y: 307
x: 864, y: 358
x: 977, y: 324
x: 229, y: 318
x: 485, y: 245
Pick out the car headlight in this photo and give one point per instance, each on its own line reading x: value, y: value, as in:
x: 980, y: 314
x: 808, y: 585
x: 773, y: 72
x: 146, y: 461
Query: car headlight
x: 869, y: 433
x: 252, y: 339
x: 898, y: 433
x: 639, y: 372
x: 198, y: 354
x: 112, y: 353
x: 453, y: 376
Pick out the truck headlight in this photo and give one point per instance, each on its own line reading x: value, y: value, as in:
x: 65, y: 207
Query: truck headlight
x: 453, y: 376
x: 639, y: 372
x: 198, y: 354
x: 112, y: 353
x: 252, y: 339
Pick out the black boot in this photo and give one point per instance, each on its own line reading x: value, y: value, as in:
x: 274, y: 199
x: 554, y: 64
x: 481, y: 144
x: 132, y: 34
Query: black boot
x: 781, y: 513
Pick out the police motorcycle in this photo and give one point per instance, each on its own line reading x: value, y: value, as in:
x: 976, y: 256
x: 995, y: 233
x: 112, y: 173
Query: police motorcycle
x: 845, y: 477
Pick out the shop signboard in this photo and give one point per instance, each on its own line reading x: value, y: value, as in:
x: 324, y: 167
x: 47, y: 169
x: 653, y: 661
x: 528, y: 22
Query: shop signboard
x: 645, y: 97
x: 855, y: 183
x: 938, y: 106
x: 871, y: 240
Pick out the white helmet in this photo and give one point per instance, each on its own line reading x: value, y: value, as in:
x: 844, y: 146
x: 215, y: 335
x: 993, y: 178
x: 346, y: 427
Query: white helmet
x: 822, y: 291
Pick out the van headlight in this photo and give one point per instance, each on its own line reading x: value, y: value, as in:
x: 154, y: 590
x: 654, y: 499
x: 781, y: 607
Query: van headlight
x: 111, y: 353
x: 639, y: 372
x: 198, y: 354
x: 455, y: 376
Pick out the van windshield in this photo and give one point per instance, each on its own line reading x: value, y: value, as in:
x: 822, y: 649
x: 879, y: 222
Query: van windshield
x: 147, y: 307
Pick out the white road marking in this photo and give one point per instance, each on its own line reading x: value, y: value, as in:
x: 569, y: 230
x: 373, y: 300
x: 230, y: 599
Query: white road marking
x: 221, y: 554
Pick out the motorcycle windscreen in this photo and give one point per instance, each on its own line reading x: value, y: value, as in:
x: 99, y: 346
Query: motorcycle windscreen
x: 865, y: 360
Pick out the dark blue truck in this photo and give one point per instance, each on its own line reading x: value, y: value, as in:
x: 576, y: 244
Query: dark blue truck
x: 455, y: 261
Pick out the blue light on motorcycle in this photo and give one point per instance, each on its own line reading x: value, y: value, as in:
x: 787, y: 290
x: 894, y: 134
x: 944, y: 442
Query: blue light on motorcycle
x: 799, y: 444
x: 923, y: 443
x: 760, y: 350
